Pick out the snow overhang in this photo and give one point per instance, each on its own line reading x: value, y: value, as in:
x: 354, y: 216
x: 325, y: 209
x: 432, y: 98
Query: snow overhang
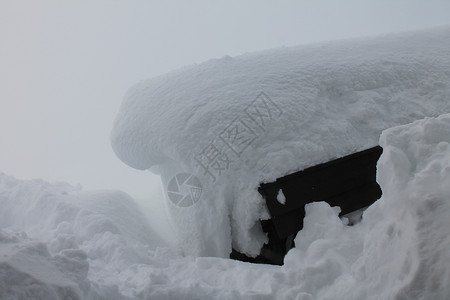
x: 334, y: 97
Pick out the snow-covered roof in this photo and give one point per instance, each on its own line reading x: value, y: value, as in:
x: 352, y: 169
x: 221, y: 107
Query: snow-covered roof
x: 326, y: 92
x: 236, y: 122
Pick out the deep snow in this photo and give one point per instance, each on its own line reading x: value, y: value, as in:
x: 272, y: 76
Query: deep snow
x: 54, y: 244
x: 52, y: 234
x: 317, y: 103
x: 237, y: 122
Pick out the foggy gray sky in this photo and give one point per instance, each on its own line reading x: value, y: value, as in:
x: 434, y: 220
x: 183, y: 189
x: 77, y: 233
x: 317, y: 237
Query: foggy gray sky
x: 65, y: 65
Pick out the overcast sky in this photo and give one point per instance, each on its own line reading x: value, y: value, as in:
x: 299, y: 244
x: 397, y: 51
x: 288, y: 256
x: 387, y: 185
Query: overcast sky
x: 65, y: 65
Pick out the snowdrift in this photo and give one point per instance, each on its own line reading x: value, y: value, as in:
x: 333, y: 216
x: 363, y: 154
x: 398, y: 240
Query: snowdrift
x: 233, y: 123
x: 53, y: 235
x: 50, y: 248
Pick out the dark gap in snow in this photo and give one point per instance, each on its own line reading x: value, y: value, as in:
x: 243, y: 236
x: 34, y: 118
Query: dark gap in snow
x: 348, y: 182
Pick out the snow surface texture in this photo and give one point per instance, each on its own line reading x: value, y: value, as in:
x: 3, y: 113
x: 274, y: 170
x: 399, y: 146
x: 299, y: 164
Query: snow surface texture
x: 55, y: 239
x: 280, y: 197
x: 52, y: 249
x: 318, y: 103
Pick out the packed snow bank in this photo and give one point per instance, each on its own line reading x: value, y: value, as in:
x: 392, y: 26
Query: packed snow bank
x: 400, y: 250
x: 236, y: 122
x: 50, y: 249
x: 28, y: 271
x: 57, y: 239
x: 413, y: 220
